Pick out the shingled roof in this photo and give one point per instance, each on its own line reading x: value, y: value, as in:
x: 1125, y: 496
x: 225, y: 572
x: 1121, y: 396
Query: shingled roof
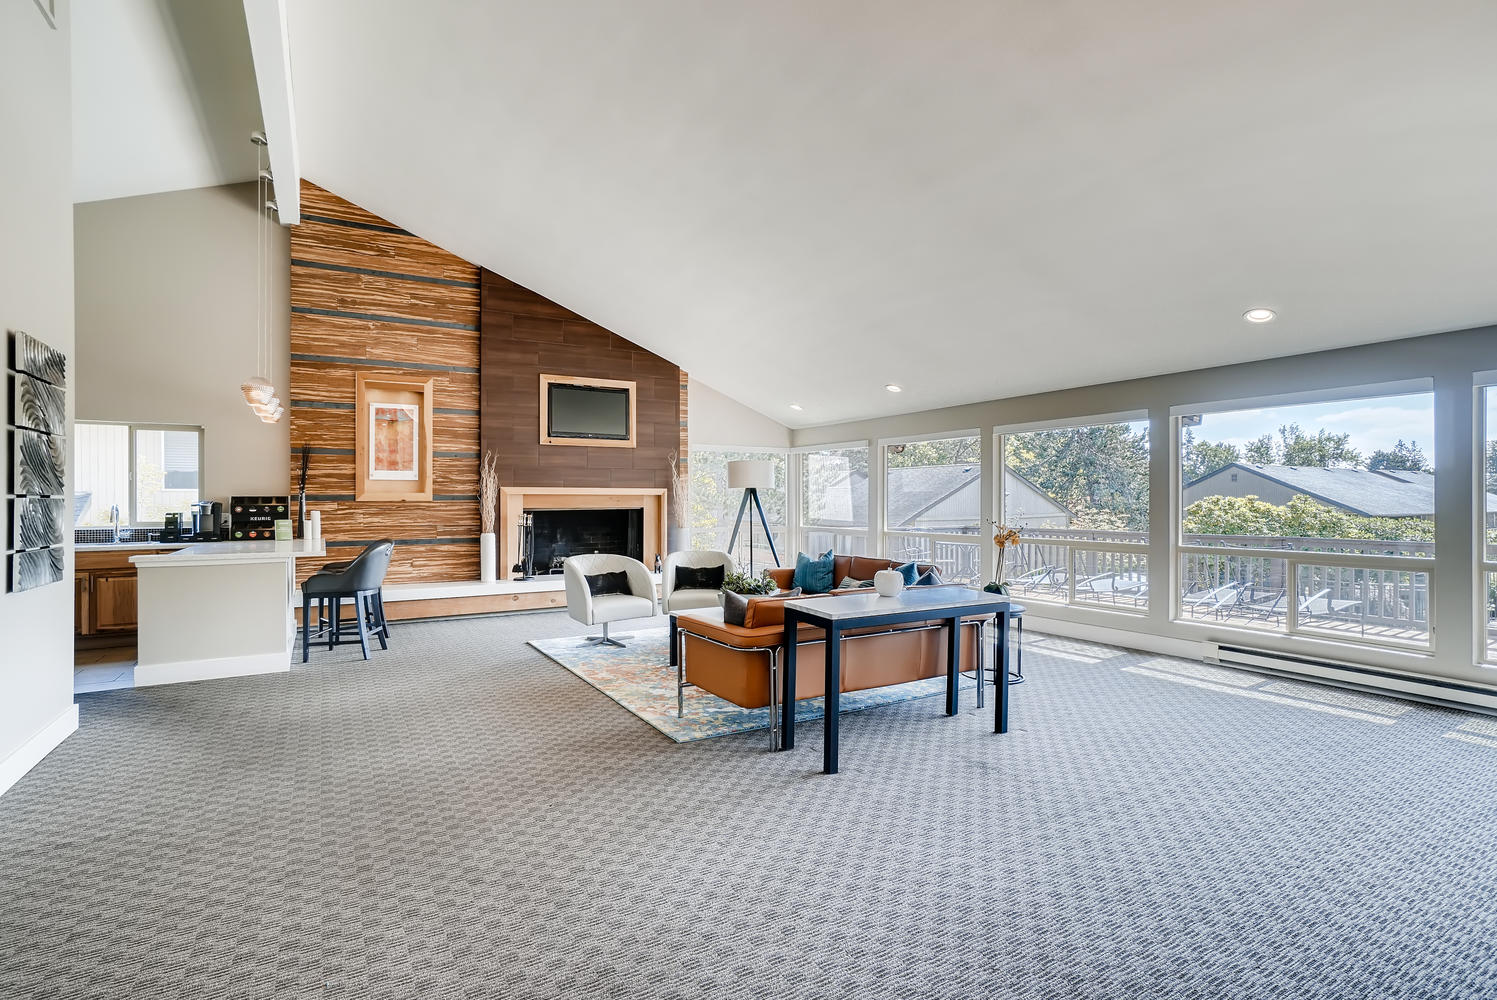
x: 1381, y: 493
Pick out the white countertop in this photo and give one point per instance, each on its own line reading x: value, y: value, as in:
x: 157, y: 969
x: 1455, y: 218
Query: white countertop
x: 124, y: 546
x: 221, y: 553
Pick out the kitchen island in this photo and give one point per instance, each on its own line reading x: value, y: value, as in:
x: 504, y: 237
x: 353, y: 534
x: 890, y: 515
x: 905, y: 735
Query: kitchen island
x: 217, y: 609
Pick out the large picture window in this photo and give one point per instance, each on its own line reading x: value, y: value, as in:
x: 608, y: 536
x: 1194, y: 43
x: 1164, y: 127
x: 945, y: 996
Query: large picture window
x: 714, y: 507
x: 1080, y: 495
x: 1315, y: 518
x: 834, y: 499
x: 1486, y: 528
x: 146, y: 471
x: 932, y: 505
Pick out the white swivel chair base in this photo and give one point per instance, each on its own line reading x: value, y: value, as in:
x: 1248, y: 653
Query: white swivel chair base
x: 607, y: 640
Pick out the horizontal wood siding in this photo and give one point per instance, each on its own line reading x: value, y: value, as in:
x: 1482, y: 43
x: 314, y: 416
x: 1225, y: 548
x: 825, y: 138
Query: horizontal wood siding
x: 366, y: 296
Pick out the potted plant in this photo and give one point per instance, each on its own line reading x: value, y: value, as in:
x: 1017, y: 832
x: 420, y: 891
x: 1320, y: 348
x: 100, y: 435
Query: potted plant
x: 679, y: 500
x: 739, y: 582
x: 488, y: 515
x: 1004, y: 538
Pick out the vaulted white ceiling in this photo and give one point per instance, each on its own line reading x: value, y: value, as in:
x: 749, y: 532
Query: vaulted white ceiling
x: 802, y: 201
x: 163, y: 96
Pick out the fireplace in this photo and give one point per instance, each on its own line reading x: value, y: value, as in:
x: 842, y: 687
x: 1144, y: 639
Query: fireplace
x: 624, y: 520
x: 562, y: 533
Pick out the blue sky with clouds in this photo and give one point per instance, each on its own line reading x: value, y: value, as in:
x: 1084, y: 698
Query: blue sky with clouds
x: 1372, y: 423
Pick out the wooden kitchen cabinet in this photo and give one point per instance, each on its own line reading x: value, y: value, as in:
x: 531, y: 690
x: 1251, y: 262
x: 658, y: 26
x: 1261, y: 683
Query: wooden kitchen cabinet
x: 113, y: 601
x: 105, y: 589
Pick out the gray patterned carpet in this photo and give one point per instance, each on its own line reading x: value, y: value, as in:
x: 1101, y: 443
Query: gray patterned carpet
x: 463, y: 818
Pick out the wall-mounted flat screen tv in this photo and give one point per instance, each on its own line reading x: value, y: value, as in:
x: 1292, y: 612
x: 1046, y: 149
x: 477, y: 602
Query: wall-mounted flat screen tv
x: 596, y: 413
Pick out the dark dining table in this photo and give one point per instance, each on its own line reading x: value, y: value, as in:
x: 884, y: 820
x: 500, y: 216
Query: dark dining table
x: 834, y: 615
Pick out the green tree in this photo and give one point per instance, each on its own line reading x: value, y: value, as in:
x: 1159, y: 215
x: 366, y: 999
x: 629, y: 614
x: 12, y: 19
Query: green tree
x: 1099, y: 472
x: 1260, y: 451
x: 1301, y: 517
x: 950, y: 451
x: 1201, y: 458
x: 1322, y: 451
x: 1401, y: 458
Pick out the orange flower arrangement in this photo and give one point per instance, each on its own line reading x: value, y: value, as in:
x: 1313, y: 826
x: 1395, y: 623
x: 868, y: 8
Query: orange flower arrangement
x: 1004, y: 537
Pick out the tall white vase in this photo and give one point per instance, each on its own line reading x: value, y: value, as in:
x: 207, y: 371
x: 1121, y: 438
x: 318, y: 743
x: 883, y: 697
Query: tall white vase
x: 488, y: 557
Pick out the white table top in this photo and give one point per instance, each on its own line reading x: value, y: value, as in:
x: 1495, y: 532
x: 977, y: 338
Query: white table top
x: 948, y: 597
x: 222, y: 553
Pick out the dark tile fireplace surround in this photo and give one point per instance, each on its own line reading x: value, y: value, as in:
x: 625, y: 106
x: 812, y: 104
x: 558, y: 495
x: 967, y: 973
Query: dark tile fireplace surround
x: 563, y: 533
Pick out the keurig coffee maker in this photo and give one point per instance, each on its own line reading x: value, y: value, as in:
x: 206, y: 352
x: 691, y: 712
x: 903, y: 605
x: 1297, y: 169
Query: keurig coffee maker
x: 206, y: 515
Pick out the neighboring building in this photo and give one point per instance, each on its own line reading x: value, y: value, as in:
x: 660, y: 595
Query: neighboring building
x: 942, y: 499
x: 1384, y: 493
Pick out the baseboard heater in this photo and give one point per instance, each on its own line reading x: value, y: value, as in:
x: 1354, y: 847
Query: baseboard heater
x: 1357, y: 677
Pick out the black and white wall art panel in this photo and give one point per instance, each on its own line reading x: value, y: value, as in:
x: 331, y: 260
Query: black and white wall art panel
x: 36, y: 522
x: 34, y: 358
x: 37, y: 406
x: 36, y: 473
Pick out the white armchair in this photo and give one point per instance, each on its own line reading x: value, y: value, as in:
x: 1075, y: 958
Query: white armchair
x: 693, y: 597
x: 600, y: 609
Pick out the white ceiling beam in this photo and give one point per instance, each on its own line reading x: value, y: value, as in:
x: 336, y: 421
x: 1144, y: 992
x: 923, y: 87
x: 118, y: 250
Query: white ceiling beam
x: 271, y: 49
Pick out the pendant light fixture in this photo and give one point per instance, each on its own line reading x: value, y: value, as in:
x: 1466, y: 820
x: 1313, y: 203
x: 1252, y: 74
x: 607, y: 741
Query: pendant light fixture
x: 259, y: 391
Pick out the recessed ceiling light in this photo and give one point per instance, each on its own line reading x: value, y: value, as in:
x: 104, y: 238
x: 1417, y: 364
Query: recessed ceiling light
x: 796, y: 406
x: 894, y: 388
x: 1258, y: 315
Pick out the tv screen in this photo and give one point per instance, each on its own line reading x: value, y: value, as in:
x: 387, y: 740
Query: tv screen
x: 587, y: 411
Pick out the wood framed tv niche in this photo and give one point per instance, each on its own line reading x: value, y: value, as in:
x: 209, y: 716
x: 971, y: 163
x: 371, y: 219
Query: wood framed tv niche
x: 588, y: 412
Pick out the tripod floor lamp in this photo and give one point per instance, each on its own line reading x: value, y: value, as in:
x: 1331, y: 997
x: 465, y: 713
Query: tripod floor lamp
x: 751, y: 476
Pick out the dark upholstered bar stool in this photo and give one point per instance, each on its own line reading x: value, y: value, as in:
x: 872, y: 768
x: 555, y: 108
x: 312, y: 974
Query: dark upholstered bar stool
x: 360, y: 580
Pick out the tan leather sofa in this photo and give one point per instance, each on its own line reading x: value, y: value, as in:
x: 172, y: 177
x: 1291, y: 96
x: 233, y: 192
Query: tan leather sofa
x: 740, y: 664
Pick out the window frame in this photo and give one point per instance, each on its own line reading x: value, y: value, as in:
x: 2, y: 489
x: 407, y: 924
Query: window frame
x: 800, y: 529
x: 791, y: 513
x: 1482, y: 563
x: 1294, y: 559
x: 1116, y: 547
x: 879, y: 521
x: 131, y: 514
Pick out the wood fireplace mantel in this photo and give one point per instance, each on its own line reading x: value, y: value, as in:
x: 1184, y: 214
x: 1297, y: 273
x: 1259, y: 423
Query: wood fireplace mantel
x: 515, y: 500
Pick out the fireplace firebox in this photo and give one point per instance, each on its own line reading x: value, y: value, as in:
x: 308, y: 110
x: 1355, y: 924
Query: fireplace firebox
x: 558, y: 534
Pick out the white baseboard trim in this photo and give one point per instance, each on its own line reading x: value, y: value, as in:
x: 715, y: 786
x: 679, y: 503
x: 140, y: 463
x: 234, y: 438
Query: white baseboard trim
x: 147, y: 675
x: 30, y: 753
x: 1147, y: 642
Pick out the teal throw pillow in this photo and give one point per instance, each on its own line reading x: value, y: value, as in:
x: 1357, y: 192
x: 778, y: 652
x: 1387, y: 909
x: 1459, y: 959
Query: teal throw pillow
x: 813, y: 575
x: 910, y: 572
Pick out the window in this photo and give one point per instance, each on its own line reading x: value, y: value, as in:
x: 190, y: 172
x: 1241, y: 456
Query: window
x: 834, y: 499
x: 714, y: 507
x: 1486, y: 529
x: 1080, y: 495
x: 1313, y: 518
x: 144, y: 470
x: 932, y: 491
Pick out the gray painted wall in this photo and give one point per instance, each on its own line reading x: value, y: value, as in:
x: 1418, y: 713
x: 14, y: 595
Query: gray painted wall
x: 1448, y: 359
x: 166, y: 296
x: 36, y: 295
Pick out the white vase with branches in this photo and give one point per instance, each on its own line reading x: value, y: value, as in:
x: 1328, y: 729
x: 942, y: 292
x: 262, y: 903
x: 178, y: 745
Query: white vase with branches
x: 488, y: 516
x: 679, y: 501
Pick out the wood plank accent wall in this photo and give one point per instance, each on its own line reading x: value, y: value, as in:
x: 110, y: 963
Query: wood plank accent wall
x: 367, y: 296
x: 526, y: 335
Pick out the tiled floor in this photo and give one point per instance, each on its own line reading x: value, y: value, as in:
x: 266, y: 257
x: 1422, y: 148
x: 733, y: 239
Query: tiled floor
x: 103, y: 669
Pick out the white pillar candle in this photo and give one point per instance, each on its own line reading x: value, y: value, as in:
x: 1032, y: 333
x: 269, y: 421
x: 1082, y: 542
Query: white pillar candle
x: 314, y: 526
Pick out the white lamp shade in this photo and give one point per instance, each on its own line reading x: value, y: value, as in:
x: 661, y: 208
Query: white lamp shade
x: 751, y: 474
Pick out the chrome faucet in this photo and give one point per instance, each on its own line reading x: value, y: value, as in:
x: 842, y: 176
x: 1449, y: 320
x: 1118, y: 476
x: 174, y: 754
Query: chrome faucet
x: 114, y: 521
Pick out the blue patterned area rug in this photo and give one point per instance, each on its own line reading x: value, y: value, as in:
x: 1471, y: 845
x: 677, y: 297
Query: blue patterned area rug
x: 640, y: 678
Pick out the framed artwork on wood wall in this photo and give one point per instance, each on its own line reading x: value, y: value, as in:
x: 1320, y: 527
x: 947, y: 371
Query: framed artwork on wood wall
x: 393, y: 438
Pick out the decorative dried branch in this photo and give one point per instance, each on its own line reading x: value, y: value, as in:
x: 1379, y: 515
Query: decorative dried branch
x: 680, y: 498
x: 488, y: 492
